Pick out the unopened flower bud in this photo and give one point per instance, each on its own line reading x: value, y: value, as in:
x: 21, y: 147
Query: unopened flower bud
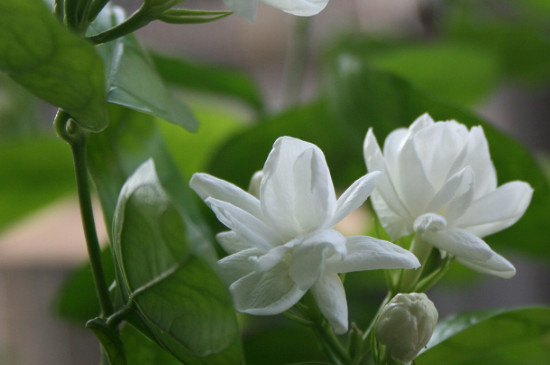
x: 406, y: 325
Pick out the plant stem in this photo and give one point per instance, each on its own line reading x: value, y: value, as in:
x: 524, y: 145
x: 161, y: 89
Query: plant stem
x: 88, y: 223
x: 77, y: 139
x: 409, y: 277
x: 95, y: 9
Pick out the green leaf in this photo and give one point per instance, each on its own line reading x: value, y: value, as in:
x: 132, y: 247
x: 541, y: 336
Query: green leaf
x: 132, y: 79
x: 503, y: 337
x: 210, y: 79
x: 51, y: 62
x: 177, y: 293
x: 141, y: 350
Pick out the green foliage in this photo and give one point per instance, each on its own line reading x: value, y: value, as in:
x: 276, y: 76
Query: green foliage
x: 177, y: 294
x: 498, y: 336
x: 124, y: 59
x: 141, y: 350
x: 51, y: 62
x: 210, y: 79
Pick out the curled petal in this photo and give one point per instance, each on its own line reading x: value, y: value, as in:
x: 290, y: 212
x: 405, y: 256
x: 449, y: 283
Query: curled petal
x: 253, y: 230
x: 368, y: 253
x: 459, y: 243
x: 497, y: 210
x: 234, y: 267
x: 308, y: 258
x: 429, y: 222
x: 266, y: 293
x: 496, y: 265
x: 232, y: 242
x: 330, y: 296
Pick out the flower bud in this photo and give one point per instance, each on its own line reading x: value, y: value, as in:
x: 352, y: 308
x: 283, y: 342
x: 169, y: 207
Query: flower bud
x: 406, y: 325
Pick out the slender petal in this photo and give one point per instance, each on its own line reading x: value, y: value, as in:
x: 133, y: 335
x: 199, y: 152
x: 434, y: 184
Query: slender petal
x: 330, y: 296
x: 266, y: 293
x: 496, y: 265
x: 354, y: 197
x: 501, y: 208
x: 206, y: 186
x: 456, y: 185
x: 459, y: 243
x: 368, y: 253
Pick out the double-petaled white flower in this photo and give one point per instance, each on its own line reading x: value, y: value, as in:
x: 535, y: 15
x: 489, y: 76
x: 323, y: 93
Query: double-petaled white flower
x: 283, y: 244
x: 247, y: 8
x: 439, y: 181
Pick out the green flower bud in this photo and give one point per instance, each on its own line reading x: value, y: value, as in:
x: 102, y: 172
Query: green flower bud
x: 406, y: 325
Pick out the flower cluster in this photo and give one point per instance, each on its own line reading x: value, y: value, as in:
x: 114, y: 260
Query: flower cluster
x: 434, y: 179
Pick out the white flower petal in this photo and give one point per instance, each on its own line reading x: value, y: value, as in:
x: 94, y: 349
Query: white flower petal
x: 393, y: 223
x: 277, y: 189
x: 330, y: 296
x: 232, y: 242
x: 438, y: 146
x: 266, y: 293
x: 253, y: 230
x: 411, y: 181
x: 308, y: 259
x: 455, y: 186
x: 368, y: 253
x: 496, y: 265
x: 479, y: 159
x: 497, y: 210
x: 390, y: 201
x: 234, y: 267
x: 459, y: 243
x: 353, y: 197
x: 315, y: 198
x: 429, y: 222
x: 206, y: 186
x: 423, y: 121
x: 298, y: 7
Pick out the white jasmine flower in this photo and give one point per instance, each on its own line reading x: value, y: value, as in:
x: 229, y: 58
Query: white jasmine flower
x: 283, y: 243
x: 439, y: 181
x: 406, y: 324
x: 247, y: 8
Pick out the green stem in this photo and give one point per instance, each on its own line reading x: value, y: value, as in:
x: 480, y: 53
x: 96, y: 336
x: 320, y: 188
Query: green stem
x: 95, y: 9
x: 59, y: 9
x: 139, y: 19
x: 70, y: 132
x: 409, y: 277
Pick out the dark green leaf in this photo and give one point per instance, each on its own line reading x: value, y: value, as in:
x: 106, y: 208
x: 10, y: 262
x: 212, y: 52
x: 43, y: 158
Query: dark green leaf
x: 178, y: 295
x: 503, y: 337
x: 132, y: 79
x: 209, y: 78
x: 51, y: 62
x: 141, y: 350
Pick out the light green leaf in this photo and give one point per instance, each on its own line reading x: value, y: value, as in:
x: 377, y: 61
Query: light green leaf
x: 132, y: 79
x: 503, y: 337
x: 177, y: 294
x: 51, y: 62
